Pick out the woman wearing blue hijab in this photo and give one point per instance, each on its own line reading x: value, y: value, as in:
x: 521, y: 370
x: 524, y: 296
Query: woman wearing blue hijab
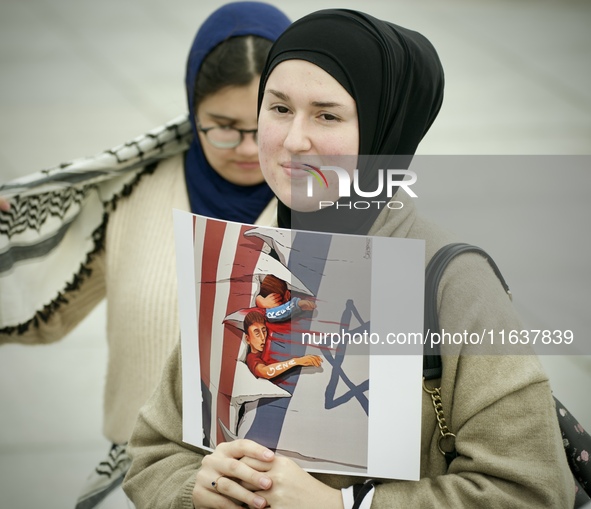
x: 220, y: 177
x: 129, y: 255
x: 234, y: 189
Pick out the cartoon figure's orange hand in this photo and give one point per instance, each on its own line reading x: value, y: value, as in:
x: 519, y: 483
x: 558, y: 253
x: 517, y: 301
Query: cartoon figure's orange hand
x: 310, y: 360
x: 270, y: 301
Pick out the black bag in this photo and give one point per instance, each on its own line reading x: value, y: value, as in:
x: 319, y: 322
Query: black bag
x: 576, y: 441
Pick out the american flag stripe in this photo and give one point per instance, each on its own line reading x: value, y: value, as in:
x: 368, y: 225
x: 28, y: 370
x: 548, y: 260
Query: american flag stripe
x: 222, y: 294
x: 213, y: 237
x: 246, y: 256
x: 209, y: 234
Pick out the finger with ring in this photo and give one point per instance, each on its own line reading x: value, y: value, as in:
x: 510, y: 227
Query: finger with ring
x: 214, y: 484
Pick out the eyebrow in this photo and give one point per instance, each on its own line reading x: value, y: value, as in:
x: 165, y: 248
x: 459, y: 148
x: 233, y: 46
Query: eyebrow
x: 318, y: 104
x: 220, y: 118
x: 279, y: 95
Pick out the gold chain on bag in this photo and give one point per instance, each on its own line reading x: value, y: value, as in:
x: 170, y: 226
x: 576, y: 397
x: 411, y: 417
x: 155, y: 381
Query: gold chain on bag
x: 446, y: 438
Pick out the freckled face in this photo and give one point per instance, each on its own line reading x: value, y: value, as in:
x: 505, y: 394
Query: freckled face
x: 233, y: 107
x: 306, y: 115
x: 256, y: 337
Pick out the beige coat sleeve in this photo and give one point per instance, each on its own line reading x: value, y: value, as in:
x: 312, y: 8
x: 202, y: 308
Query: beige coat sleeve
x: 163, y: 469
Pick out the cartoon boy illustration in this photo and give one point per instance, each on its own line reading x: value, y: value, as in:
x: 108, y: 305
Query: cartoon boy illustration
x: 255, y: 329
x: 275, y: 297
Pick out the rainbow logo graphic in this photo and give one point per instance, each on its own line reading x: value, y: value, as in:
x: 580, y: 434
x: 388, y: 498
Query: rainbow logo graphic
x: 316, y: 173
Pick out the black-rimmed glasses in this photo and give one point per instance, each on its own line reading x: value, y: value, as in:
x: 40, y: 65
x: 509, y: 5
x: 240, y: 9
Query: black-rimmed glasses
x: 226, y: 137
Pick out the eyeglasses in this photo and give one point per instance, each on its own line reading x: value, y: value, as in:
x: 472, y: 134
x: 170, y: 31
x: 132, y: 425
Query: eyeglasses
x: 226, y: 137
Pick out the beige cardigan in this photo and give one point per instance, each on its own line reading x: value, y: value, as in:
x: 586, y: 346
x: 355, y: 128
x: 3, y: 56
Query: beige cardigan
x: 136, y: 272
x: 500, y: 408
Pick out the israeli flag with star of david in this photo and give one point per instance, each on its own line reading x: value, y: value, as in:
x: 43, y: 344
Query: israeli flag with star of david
x: 356, y: 412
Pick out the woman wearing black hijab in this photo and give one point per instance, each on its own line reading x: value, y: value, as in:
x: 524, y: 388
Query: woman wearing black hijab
x: 342, y: 85
x: 396, y: 79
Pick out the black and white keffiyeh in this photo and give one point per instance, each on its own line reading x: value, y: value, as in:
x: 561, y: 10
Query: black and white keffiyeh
x: 57, y: 221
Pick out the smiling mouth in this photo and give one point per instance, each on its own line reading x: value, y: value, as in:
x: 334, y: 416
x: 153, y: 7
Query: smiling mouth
x: 301, y: 166
x: 299, y: 170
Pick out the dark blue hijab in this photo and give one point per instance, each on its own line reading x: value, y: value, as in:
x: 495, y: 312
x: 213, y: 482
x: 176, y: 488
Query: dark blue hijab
x: 210, y: 194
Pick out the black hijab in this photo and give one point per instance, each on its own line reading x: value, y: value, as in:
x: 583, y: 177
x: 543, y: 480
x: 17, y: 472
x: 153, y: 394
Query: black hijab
x: 396, y: 79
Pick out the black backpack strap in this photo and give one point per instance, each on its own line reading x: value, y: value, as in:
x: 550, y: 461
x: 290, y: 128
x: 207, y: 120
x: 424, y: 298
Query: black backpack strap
x: 432, y: 366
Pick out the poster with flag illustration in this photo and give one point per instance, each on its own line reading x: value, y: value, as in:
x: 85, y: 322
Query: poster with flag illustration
x: 296, y: 340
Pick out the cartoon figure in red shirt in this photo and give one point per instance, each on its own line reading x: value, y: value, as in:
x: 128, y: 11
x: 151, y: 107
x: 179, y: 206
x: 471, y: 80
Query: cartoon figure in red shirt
x: 255, y: 329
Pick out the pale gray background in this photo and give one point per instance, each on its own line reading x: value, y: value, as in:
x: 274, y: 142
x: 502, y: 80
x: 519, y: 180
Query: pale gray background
x: 78, y: 77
